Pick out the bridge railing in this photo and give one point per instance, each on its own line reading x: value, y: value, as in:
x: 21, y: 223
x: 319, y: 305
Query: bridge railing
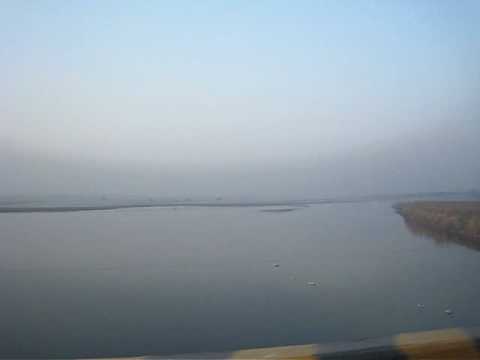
x: 452, y: 344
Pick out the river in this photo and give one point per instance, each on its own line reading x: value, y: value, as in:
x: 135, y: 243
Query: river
x: 194, y: 279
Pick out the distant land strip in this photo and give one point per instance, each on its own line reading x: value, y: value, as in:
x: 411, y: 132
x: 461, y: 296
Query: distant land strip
x: 290, y: 204
x: 11, y: 205
x: 32, y: 209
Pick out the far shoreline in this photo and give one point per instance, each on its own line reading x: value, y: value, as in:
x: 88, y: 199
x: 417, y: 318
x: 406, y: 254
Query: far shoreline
x: 60, y: 209
x: 101, y: 203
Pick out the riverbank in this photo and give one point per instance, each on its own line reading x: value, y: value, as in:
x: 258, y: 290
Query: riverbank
x: 458, y: 219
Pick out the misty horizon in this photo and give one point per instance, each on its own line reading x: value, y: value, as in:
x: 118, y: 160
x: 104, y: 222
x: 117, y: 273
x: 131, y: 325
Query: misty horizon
x: 262, y: 100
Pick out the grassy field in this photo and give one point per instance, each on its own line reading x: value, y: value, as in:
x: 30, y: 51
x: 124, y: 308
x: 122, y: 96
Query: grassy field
x: 458, y: 219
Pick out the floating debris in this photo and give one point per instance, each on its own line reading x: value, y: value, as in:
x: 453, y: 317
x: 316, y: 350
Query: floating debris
x: 420, y: 306
x: 276, y: 265
x: 448, y: 312
x: 312, y: 283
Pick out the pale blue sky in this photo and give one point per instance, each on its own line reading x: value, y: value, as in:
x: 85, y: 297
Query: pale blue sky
x: 234, y: 85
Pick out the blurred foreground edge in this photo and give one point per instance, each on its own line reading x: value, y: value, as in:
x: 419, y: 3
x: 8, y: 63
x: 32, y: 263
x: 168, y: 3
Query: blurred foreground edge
x: 437, y: 344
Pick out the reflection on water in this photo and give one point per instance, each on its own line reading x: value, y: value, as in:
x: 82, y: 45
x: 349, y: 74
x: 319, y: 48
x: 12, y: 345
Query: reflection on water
x: 441, y: 238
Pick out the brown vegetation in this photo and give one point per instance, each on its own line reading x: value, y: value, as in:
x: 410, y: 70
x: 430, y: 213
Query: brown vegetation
x: 458, y: 220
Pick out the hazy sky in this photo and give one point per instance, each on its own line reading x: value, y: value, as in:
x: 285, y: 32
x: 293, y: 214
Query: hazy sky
x: 273, y: 98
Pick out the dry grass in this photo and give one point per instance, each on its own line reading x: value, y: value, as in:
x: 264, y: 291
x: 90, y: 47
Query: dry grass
x: 459, y: 219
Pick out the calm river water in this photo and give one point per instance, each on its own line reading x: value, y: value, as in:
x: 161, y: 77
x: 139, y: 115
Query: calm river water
x: 194, y: 279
